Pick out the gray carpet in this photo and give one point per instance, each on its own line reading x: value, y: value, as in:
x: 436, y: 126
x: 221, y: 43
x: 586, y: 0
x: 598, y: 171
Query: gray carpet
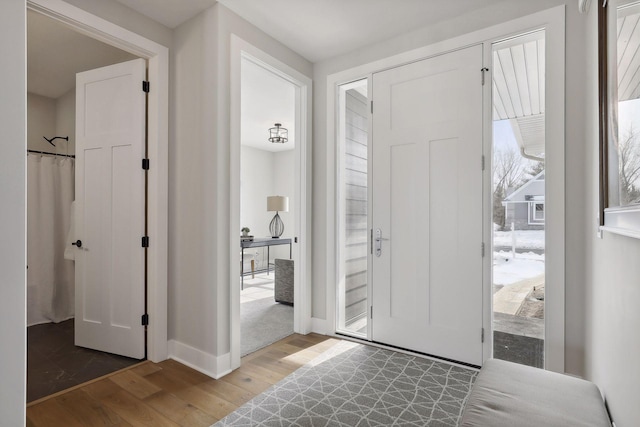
x: 358, y: 385
x: 263, y: 322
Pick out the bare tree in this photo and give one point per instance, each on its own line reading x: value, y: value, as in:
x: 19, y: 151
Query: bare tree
x: 629, y: 165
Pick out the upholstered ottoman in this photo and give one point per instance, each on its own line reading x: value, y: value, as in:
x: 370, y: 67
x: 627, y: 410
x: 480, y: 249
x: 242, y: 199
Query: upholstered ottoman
x: 508, y: 394
x: 283, y: 286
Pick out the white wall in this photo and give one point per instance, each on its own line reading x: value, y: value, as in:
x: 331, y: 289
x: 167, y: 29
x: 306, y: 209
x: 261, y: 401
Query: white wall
x: 323, y: 167
x: 264, y: 173
x: 51, y: 117
x: 13, y: 263
x: 612, y: 287
x: 256, y: 183
x: 41, y: 121
x: 66, y: 122
x: 284, y: 185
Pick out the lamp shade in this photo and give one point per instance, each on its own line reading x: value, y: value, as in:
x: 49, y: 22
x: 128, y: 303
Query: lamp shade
x: 277, y: 204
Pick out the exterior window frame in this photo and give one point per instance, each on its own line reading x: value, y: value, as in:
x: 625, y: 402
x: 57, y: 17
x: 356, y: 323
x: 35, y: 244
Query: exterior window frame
x: 533, y: 220
x: 624, y: 220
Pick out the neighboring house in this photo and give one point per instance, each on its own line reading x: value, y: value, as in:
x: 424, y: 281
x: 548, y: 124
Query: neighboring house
x: 524, y: 207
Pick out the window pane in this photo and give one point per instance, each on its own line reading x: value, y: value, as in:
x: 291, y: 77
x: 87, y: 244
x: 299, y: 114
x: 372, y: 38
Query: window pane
x: 353, y: 202
x: 627, y: 146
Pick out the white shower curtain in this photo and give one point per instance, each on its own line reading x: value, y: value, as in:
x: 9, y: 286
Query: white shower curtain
x: 50, y: 277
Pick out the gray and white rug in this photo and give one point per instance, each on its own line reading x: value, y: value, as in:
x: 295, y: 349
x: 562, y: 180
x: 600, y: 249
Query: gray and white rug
x: 358, y: 385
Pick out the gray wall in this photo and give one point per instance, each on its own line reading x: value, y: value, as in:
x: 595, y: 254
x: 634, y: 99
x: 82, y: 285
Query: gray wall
x: 13, y: 278
x: 199, y: 189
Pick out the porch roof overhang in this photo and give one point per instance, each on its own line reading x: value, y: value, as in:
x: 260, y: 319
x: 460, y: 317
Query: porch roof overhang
x: 519, y: 89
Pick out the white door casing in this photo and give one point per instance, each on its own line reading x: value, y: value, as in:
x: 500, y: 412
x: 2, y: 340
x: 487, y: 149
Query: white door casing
x: 427, y: 202
x: 110, y: 220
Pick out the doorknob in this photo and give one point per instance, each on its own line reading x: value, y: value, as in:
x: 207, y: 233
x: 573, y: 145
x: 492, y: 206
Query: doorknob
x: 77, y: 243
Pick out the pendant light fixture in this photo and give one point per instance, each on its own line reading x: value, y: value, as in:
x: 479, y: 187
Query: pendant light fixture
x: 278, y: 134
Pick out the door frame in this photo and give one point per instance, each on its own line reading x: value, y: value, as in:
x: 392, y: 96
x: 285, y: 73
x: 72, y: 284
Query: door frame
x: 241, y: 49
x: 553, y: 21
x: 157, y: 57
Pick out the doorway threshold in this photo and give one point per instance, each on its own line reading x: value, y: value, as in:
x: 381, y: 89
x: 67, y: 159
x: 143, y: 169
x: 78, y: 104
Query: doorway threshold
x: 403, y: 350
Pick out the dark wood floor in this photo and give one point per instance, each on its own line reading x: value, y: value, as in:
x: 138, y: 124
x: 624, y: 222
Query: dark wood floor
x: 54, y: 363
x: 171, y: 394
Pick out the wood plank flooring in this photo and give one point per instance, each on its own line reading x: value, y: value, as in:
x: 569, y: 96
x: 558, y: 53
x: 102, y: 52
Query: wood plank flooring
x: 171, y: 394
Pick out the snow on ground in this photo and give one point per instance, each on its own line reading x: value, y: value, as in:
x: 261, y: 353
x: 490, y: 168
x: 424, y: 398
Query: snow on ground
x: 507, y: 270
x: 527, y: 239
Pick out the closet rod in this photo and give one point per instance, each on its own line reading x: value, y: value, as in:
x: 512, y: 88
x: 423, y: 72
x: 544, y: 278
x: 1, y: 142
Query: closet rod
x: 51, y: 154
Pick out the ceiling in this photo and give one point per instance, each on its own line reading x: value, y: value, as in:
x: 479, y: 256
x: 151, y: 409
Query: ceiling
x: 55, y: 54
x: 320, y: 29
x: 266, y: 99
x: 169, y: 13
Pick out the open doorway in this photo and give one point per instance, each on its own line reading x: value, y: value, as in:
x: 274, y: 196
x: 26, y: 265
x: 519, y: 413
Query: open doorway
x: 297, y: 221
x: 268, y: 206
x: 55, y: 54
x: 519, y: 202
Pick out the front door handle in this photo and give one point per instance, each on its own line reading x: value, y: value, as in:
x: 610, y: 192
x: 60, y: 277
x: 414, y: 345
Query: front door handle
x: 378, y: 242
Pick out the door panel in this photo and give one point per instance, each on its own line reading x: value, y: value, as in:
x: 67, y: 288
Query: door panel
x: 110, y: 138
x: 427, y: 202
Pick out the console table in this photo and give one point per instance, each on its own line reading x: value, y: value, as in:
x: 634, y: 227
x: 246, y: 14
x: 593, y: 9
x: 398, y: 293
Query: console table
x: 258, y: 243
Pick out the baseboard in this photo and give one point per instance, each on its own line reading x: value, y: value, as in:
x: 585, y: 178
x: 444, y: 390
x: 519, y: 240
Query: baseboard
x: 319, y: 326
x: 214, y: 366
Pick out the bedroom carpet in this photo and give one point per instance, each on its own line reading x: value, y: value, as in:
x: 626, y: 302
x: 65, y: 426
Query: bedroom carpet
x: 358, y: 385
x: 262, y: 320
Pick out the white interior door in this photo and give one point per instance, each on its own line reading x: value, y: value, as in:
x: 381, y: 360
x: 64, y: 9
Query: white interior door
x: 427, y: 204
x: 110, y: 143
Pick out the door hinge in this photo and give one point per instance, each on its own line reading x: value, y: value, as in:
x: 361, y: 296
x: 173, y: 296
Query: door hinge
x: 371, y: 312
x: 482, y: 335
x: 145, y: 320
x: 482, y: 249
x: 145, y: 241
x: 145, y: 86
x: 482, y: 162
x: 371, y: 107
x: 145, y: 164
x: 483, y: 70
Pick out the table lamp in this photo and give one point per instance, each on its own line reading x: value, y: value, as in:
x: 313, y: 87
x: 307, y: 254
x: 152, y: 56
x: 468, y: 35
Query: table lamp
x: 277, y: 204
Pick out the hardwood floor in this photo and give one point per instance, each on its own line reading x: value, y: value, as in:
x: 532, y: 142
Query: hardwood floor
x: 171, y: 394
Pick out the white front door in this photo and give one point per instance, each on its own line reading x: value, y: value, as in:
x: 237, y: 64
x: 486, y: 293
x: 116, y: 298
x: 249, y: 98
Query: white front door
x: 427, y: 206
x: 110, y: 199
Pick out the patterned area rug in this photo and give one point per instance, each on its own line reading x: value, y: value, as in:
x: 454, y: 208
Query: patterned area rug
x: 358, y: 385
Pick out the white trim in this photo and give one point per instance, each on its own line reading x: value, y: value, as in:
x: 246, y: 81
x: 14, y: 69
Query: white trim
x: 319, y: 326
x: 208, y: 364
x: 158, y: 118
x: 302, y: 250
x: 532, y: 220
x: 553, y: 21
x: 340, y: 156
x: 624, y: 221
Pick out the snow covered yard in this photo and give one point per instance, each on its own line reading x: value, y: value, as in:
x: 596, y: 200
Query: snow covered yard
x: 525, y: 239
x: 507, y: 270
